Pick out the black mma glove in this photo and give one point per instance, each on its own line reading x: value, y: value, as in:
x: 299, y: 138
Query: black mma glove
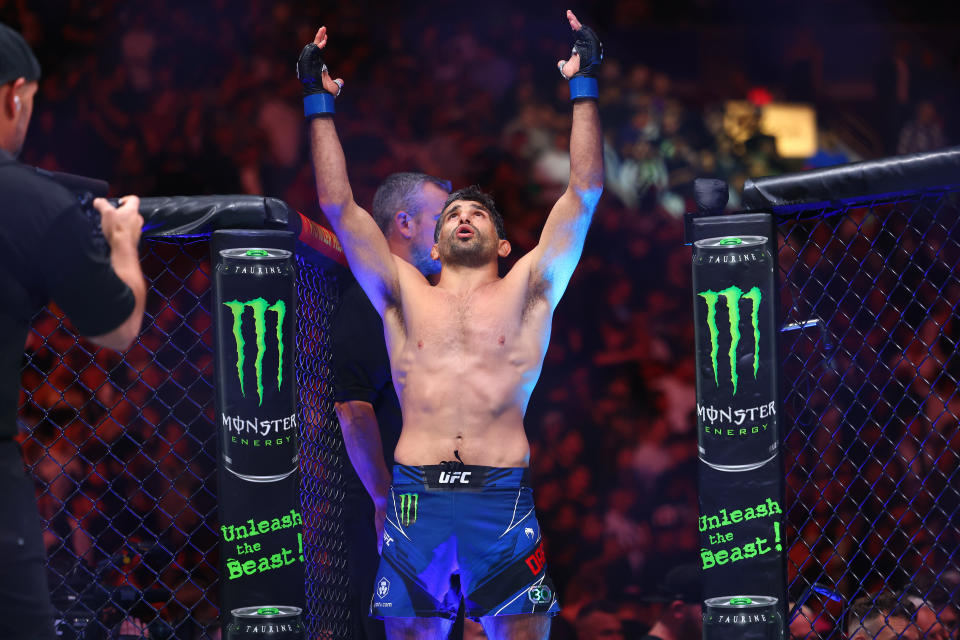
x: 583, y: 84
x: 590, y: 50
x: 310, y: 70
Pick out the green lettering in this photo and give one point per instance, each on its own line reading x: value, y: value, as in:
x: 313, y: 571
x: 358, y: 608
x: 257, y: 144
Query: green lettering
x: 760, y: 549
x: 281, y: 310
x: 408, y: 508
x: 259, y: 306
x: 721, y: 557
x: 736, y: 516
x: 706, y: 559
x: 732, y: 296
x: 711, y: 298
x: 234, y: 568
x: 754, y: 296
x: 236, y: 308
x: 250, y: 567
x: 263, y: 565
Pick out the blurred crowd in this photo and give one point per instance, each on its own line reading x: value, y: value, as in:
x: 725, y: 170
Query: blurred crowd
x: 200, y: 98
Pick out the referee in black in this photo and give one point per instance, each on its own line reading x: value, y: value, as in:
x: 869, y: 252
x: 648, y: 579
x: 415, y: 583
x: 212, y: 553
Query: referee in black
x: 47, y: 252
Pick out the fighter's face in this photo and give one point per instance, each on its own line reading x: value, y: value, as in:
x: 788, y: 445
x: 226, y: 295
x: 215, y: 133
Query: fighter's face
x: 468, y: 236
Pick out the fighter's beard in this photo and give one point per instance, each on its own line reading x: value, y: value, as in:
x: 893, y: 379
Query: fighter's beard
x: 469, y: 254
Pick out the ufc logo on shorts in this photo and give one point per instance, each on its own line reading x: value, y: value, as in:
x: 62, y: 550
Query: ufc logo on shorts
x: 448, y: 477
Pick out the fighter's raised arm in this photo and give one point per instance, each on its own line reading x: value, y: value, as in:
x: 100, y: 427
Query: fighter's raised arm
x: 555, y: 257
x: 363, y: 243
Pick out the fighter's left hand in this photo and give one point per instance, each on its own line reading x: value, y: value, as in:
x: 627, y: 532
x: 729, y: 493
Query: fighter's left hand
x: 587, y: 51
x: 311, y: 68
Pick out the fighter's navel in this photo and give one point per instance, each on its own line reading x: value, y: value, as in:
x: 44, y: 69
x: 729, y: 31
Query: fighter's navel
x: 420, y: 344
x: 502, y: 339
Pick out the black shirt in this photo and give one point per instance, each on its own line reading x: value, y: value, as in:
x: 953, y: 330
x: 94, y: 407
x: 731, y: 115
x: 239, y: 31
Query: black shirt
x: 361, y: 367
x: 47, y: 252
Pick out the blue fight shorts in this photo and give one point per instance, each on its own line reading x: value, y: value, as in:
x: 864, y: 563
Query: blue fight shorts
x: 457, y: 531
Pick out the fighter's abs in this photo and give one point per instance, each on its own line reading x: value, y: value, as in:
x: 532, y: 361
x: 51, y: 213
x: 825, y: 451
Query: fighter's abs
x: 464, y: 375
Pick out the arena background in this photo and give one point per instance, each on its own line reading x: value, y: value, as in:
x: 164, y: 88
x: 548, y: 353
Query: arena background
x: 195, y: 98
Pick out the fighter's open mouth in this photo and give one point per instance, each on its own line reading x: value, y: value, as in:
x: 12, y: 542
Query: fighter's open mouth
x: 464, y: 231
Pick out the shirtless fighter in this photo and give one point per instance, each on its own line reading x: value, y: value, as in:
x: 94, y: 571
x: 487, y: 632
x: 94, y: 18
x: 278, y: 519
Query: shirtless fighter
x: 465, y: 355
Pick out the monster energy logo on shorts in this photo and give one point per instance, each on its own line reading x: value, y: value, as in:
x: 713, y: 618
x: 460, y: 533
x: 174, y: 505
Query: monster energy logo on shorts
x: 732, y: 296
x: 408, y: 508
x: 260, y: 308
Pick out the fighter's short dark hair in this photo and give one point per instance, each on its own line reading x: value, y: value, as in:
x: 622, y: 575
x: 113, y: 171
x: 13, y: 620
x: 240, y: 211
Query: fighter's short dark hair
x: 473, y: 194
x: 400, y: 192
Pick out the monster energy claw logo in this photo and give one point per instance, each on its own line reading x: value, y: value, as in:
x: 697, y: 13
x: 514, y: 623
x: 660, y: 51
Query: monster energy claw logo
x: 408, y: 508
x: 732, y: 296
x: 260, y: 308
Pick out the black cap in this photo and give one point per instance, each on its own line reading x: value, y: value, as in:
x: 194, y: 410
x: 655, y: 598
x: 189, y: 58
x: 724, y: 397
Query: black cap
x: 681, y: 583
x: 16, y: 58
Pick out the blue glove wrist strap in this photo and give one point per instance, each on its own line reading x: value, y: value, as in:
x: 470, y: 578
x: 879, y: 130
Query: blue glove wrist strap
x: 318, y: 104
x: 583, y: 87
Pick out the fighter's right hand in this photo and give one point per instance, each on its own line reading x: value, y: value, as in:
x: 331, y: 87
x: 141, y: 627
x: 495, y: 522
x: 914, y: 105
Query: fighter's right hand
x: 312, y: 71
x: 121, y: 226
x: 587, y: 51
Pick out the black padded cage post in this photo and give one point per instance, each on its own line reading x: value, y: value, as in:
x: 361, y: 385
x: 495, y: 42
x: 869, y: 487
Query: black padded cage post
x: 869, y: 258
x: 123, y: 446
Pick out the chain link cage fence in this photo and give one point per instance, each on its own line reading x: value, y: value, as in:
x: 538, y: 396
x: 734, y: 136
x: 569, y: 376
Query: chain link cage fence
x: 870, y: 292
x: 124, y: 449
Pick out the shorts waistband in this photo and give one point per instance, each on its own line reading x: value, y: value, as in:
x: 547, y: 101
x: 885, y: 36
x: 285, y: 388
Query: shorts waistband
x: 452, y: 477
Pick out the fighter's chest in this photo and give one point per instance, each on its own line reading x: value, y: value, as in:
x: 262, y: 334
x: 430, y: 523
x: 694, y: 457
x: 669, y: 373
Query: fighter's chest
x: 475, y: 322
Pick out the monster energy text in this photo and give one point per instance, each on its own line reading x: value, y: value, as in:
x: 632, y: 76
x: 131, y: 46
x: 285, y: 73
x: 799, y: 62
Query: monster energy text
x: 733, y: 322
x: 256, y: 398
x: 244, y: 426
x: 408, y: 508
